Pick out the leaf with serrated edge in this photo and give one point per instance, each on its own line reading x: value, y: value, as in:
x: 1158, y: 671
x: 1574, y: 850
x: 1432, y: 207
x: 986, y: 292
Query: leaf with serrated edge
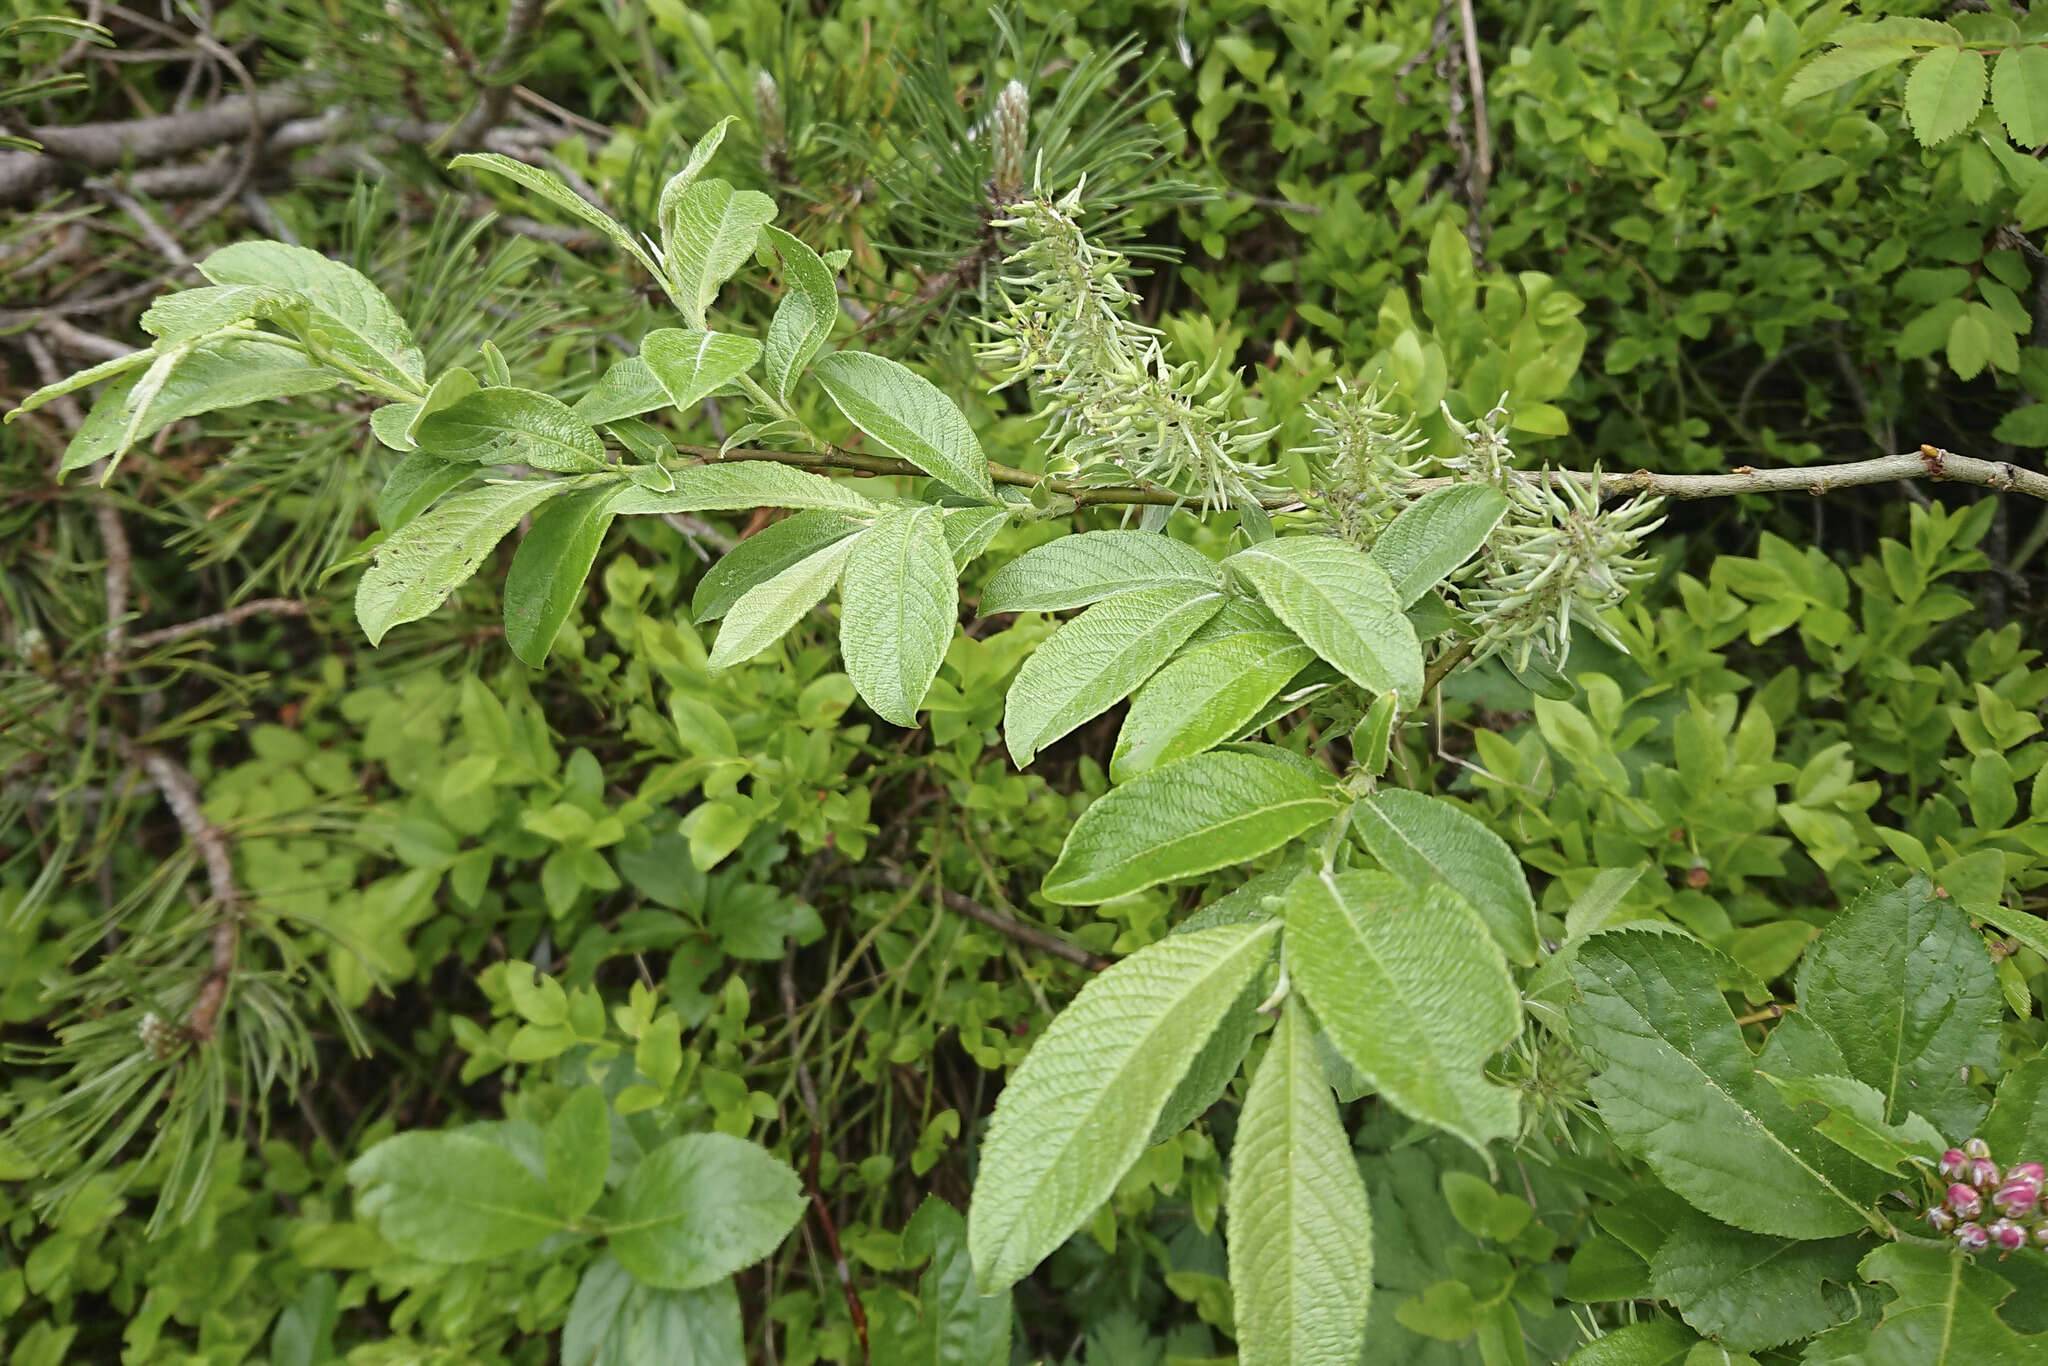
x: 1679, y: 1089
x: 898, y: 608
x: 1435, y: 534
x: 1945, y: 1312
x: 546, y: 579
x: 435, y: 553
x: 744, y: 485
x: 1342, y: 604
x: 1078, y: 1111
x: 1205, y: 696
x: 1208, y: 812
x: 1077, y: 570
x: 909, y: 415
x: 1855, y: 1121
x: 1096, y: 660
x: 764, y: 613
x: 1748, y: 1290
x: 762, y: 556
x: 351, y: 316
x: 2019, y: 92
x: 691, y: 366
x: 1412, y: 991
x: 1944, y: 93
x: 710, y: 231
x: 1429, y: 840
x: 1832, y: 70
x: 1300, y: 1227
x: 804, y: 318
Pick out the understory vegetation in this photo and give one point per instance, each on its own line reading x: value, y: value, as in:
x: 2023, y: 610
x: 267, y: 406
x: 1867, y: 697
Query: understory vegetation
x: 1157, y: 685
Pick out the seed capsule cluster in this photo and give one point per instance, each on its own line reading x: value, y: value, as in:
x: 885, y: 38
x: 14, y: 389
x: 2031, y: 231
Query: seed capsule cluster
x: 1982, y: 1207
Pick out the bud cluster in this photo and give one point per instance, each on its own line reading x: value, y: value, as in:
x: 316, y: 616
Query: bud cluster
x: 1009, y: 139
x: 1364, y: 462
x: 1115, y: 409
x: 160, y: 1038
x: 1982, y: 1207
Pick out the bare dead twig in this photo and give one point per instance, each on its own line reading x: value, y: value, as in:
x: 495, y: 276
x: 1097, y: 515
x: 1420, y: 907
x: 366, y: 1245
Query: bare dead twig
x: 218, y: 621
x: 1028, y: 935
x: 522, y: 18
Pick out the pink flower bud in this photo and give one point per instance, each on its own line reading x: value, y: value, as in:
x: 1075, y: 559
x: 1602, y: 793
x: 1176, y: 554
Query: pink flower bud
x: 1983, y: 1173
x: 2006, y: 1235
x: 1954, y: 1163
x: 1977, y: 1147
x: 1943, y: 1221
x: 2016, y: 1198
x: 1972, y: 1237
x: 1964, y: 1201
x: 2027, y: 1171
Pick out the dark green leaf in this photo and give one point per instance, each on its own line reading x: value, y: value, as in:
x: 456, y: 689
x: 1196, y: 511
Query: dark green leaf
x: 548, y: 570
x: 700, y: 1207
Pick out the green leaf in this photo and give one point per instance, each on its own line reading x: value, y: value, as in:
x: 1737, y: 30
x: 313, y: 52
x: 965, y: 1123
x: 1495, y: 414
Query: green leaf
x: 1431, y: 841
x: 709, y: 231
x: 432, y: 555
x: 1906, y: 989
x: 970, y: 529
x: 1483, y: 1211
x: 1079, y: 1110
x: 1678, y: 1088
x: 577, y: 1145
x: 1189, y: 818
x: 700, y: 1207
x: 804, y: 318
x: 742, y: 486
x: 2017, y: 1126
x: 105, y: 370
x: 1094, y: 661
x: 1300, y: 1227
x: 350, y: 317
x: 898, y: 610
x: 1946, y: 1312
x: 449, y: 386
x: 1855, y: 1122
x: 956, y: 1325
x: 550, y: 187
x: 1832, y: 70
x: 451, y: 1197
x: 1412, y: 991
x: 670, y: 204
x: 1659, y: 1342
x: 762, y: 556
x: 616, y: 1321
x: 765, y: 613
x: 1435, y: 534
x: 1342, y: 604
x: 627, y: 388
x: 224, y: 373
x: 512, y: 427
x: 1076, y: 570
x: 2019, y: 92
x: 1206, y: 695
x: 414, y: 484
x: 1216, y: 1066
x: 548, y: 570
x: 691, y: 366
x: 909, y: 415
x: 1944, y: 93
x: 1751, y: 1291
x: 192, y: 312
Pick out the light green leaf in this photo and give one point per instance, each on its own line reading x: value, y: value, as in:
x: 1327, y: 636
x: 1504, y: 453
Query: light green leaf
x: 909, y: 415
x: 1946, y: 1312
x: 1435, y: 534
x: 700, y: 1207
x: 1431, y: 841
x: 390, y: 423
x: 1905, y: 988
x: 105, y: 370
x: 616, y: 1321
x: 414, y: 484
x: 1212, y: 811
x: 1412, y: 991
x: 744, y: 485
x: 451, y: 1197
x: 1216, y: 1066
x: 193, y: 312
x: 225, y: 373
x: 1751, y: 1291
x: 1679, y: 1089
x: 1077, y: 1113
x: 2019, y: 92
x: 430, y: 556
x: 668, y: 211
x: 1094, y: 661
x: 350, y: 316
x: 512, y: 427
x: 898, y: 610
x: 709, y: 231
x: 970, y: 529
x: 1076, y: 570
x: 1832, y: 70
x: 1944, y: 93
x: 762, y: 556
x: 691, y: 366
x: 1855, y: 1121
x: 627, y: 388
x: 1659, y: 1342
x: 577, y: 1146
x: 1300, y: 1227
x: 548, y: 570
x: 551, y: 187
x: 450, y: 385
x: 804, y: 318
x: 764, y: 613
x: 1342, y: 604
x: 1208, y: 694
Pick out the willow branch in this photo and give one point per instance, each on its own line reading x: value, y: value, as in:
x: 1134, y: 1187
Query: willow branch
x: 1028, y: 935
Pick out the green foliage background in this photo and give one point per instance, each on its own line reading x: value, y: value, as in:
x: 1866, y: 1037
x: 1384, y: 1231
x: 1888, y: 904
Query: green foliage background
x: 733, y: 899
